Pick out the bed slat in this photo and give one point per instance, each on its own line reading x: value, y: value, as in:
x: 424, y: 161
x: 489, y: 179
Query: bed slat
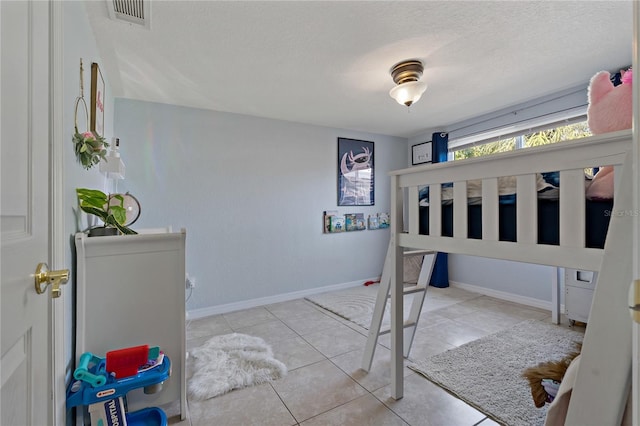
x: 490, y: 211
x: 460, y: 218
x: 414, y: 206
x: 527, y: 209
x: 572, y: 208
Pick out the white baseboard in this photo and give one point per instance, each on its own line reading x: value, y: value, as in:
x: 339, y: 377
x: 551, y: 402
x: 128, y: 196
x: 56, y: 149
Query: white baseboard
x: 252, y: 303
x: 503, y: 295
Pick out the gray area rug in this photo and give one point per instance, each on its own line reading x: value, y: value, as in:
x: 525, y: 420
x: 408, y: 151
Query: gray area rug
x: 486, y: 372
x: 355, y: 304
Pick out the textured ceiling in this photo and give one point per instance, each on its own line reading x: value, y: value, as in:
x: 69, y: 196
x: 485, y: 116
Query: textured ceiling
x: 327, y: 63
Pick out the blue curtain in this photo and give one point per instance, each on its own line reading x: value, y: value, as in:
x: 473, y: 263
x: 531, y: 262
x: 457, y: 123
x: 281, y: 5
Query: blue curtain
x: 440, y: 275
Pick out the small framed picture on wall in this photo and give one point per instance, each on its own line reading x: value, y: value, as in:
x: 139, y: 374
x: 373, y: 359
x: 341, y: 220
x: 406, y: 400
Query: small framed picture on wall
x: 97, y: 100
x: 421, y: 153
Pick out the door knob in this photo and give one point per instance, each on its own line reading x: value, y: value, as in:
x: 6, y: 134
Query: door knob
x: 44, y: 277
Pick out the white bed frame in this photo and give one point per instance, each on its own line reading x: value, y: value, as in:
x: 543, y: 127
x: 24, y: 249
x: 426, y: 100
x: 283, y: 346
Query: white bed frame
x: 603, y: 380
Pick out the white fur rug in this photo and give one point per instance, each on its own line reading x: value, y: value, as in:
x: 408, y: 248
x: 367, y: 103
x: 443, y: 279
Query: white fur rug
x: 231, y: 361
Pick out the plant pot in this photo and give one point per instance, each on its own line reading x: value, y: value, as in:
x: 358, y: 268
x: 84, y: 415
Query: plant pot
x: 103, y: 231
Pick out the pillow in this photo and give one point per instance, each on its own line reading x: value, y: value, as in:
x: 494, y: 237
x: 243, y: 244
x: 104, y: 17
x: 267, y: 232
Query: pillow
x: 601, y: 186
x: 506, y: 186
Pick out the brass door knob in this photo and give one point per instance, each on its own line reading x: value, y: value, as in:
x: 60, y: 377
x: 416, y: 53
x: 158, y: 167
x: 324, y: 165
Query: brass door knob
x: 44, y: 277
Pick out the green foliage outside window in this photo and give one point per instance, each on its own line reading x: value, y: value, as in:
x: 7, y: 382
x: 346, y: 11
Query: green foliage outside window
x: 544, y: 137
x: 486, y: 149
x: 559, y: 134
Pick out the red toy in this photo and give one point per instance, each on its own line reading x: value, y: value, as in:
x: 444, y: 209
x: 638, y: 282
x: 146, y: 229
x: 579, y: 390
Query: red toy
x: 125, y: 362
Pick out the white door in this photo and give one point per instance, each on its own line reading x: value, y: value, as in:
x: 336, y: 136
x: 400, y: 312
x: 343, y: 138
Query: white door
x: 24, y: 210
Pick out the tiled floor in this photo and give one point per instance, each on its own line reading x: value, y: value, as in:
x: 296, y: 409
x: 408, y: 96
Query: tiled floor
x: 323, y: 352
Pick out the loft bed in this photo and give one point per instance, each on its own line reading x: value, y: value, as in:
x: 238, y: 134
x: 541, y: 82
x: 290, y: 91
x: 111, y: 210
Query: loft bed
x: 457, y: 227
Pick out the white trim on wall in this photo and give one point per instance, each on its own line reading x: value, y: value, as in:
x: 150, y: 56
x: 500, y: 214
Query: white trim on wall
x: 261, y: 301
x: 502, y: 295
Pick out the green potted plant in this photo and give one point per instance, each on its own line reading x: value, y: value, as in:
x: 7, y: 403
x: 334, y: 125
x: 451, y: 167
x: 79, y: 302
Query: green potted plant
x: 109, y: 208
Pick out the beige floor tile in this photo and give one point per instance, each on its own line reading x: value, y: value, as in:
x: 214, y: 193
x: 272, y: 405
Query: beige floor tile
x: 364, y: 411
x: 310, y: 322
x: 456, y: 294
x: 172, y: 411
x: 318, y: 391
x: 453, y: 332
x: 485, y: 302
x: 525, y: 312
x: 271, y: 331
x: 488, y: 422
x: 425, y: 404
x: 207, y: 327
x: 425, y: 345
x: 379, y: 374
x: 296, y: 353
x: 248, y: 317
x: 316, y: 388
x: 292, y: 308
x: 456, y: 310
x: 491, y: 322
x: 194, y: 343
x: 335, y: 341
x: 256, y: 405
x: 175, y: 421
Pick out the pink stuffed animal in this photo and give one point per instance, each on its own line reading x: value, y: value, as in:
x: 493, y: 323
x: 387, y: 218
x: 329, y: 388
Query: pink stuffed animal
x: 610, y: 109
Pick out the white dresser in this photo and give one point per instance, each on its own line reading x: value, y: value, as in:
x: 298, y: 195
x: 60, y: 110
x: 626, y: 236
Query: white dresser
x: 131, y: 292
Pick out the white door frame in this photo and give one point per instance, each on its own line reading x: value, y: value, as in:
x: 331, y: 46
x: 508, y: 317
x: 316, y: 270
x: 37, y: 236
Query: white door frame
x: 59, y: 243
x: 635, y: 367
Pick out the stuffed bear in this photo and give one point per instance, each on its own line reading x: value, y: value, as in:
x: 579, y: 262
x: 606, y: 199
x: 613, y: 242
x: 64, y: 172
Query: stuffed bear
x: 610, y: 109
x: 544, y: 379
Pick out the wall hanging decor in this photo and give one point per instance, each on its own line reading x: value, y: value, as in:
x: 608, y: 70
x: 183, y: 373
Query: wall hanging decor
x: 421, y: 153
x: 355, y: 173
x: 97, y: 100
x: 90, y: 147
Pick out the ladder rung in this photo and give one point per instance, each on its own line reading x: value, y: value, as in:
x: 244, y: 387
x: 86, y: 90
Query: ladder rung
x: 410, y: 290
x: 406, y: 324
x: 417, y: 252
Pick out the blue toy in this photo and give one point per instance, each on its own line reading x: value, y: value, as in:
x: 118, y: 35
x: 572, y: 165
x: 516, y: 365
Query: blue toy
x: 95, y: 385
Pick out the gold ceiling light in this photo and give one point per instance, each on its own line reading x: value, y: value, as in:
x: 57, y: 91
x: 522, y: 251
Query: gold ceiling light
x: 406, y: 75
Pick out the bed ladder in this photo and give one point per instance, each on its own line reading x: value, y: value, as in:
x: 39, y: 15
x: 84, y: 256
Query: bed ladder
x: 410, y: 325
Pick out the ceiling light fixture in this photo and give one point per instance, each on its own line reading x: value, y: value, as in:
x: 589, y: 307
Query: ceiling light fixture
x: 406, y: 75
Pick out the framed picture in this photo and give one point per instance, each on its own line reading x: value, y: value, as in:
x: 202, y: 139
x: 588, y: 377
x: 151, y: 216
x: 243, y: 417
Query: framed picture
x: 421, y: 153
x: 355, y: 173
x: 96, y: 122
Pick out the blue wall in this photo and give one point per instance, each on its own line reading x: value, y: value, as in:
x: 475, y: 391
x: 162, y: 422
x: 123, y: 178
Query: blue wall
x: 251, y: 193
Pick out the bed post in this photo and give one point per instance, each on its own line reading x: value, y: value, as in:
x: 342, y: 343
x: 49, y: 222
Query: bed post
x: 635, y: 367
x: 397, y: 357
x: 602, y: 383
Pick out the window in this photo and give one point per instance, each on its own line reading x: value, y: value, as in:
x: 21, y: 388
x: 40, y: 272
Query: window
x: 556, y: 133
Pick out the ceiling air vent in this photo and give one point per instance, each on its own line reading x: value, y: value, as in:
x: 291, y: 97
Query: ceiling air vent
x: 132, y: 11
